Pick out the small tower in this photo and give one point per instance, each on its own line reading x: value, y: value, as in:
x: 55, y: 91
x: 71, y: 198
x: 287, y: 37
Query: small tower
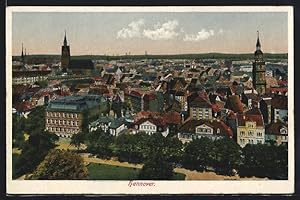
x: 259, y: 69
x: 65, y: 54
x: 22, y: 55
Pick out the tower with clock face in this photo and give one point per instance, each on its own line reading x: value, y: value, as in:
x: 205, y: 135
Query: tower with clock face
x: 65, y: 55
x: 259, y: 69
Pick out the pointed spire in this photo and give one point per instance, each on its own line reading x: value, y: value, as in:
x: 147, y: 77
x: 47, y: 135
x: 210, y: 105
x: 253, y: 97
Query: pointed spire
x: 22, y: 54
x: 65, y: 39
x: 25, y: 52
x: 258, y: 42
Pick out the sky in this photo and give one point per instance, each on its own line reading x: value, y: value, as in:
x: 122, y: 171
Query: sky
x: 155, y: 33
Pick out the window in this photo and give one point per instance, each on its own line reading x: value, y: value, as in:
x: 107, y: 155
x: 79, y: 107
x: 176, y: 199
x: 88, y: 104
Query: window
x: 218, y: 130
x: 250, y: 133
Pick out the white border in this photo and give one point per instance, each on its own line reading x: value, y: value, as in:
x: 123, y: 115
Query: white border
x: 162, y: 187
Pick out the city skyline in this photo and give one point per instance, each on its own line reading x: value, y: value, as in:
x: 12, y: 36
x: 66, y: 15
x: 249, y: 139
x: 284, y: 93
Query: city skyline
x: 154, y: 33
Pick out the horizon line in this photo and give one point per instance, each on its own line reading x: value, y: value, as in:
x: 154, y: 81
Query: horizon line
x: 114, y: 55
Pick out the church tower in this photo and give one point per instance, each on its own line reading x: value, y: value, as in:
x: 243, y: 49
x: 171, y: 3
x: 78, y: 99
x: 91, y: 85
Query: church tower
x: 22, y: 56
x: 65, y: 54
x: 259, y: 69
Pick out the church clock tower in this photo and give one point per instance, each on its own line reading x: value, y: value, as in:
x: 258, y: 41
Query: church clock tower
x: 259, y: 69
x: 65, y: 55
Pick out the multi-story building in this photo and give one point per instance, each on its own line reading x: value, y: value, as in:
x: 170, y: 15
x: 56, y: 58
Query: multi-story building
x: 71, y: 114
x: 279, y: 105
x: 135, y: 99
x: 250, y: 128
x: 277, y: 133
x: 200, y: 108
x: 195, y: 129
x: 29, y: 77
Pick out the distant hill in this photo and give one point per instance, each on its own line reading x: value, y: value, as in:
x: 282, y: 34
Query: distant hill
x: 175, y: 56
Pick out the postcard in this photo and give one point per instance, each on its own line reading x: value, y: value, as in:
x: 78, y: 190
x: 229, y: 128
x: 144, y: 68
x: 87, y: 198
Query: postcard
x: 150, y: 100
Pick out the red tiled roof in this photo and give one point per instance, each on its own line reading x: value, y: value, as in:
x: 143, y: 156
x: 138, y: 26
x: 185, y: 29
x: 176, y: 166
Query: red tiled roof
x: 274, y: 128
x: 200, y: 102
x: 243, y: 118
x: 234, y: 103
x: 24, y: 106
x: 280, y: 102
x: 190, y: 126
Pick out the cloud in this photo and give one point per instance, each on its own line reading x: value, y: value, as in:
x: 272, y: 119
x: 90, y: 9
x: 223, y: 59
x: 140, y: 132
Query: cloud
x: 201, y: 35
x: 133, y: 30
x: 165, y: 31
x: 221, y: 31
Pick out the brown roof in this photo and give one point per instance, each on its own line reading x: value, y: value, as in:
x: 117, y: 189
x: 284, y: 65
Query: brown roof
x: 190, y: 126
x: 274, y: 128
x: 243, y: 118
x: 158, y: 122
x: 30, y: 73
x: 253, y: 111
x: 168, y: 117
x: 234, y: 103
x: 200, y: 102
x: 280, y: 102
x: 24, y: 106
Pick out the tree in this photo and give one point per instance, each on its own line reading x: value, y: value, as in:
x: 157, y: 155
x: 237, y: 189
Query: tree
x: 77, y: 139
x: 199, y: 154
x: 99, y: 143
x: 35, y: 123
x: 61, y: 165
x: 33, y: 152
x: 228, y: 156
x: 262, y: 160
x: 18, y: 124
x: 156, y: 168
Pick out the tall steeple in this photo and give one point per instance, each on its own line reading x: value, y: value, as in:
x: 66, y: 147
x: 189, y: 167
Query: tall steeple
x: 65, y: 39
x: 258, y: 46
x: 65, y: 54
x: 259, y: 69
x: 22, y: 54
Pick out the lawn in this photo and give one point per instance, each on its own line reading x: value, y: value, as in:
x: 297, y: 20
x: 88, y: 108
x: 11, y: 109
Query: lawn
x: 110, y: 172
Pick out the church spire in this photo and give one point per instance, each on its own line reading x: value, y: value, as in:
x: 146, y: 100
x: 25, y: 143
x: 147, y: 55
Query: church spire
x: 22, y: 54
x: 65, y: 39
x: 258, y: 42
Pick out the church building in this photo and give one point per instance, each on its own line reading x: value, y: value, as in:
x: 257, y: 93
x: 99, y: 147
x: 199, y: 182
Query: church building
x: 74, y: 66
x: 259, y: 69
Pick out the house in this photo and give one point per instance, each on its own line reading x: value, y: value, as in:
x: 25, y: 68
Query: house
x: 101, y: 123
x: 200, y: 108
x: 108, y: 125
x: 116, y: 126
x: 277, y: 133
x: 250, y: 99
x: 234, y: 103
x: 279, y: 105
x: 250, y: 128
x: 151, y: 126
x: 135, y: 99
x: 213, y: 129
